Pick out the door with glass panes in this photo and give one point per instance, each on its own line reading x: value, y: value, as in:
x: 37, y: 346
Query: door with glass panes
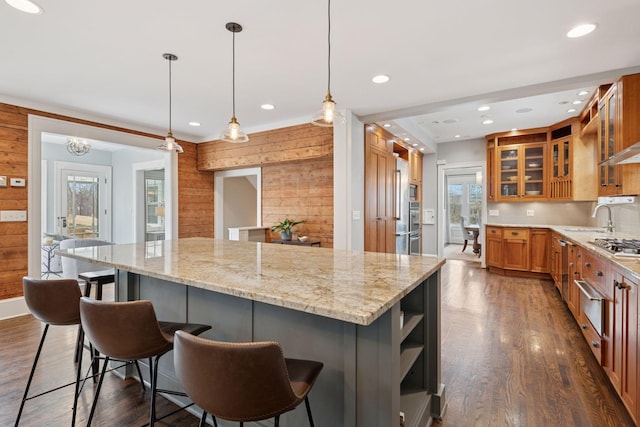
x: 464, y: 199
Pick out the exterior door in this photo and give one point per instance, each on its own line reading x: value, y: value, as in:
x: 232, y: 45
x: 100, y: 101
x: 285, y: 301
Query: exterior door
x: 464, y: 199
x: 83, y: 201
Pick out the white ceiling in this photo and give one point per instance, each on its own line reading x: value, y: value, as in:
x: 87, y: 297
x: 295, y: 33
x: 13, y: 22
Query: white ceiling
x: 103, y: 60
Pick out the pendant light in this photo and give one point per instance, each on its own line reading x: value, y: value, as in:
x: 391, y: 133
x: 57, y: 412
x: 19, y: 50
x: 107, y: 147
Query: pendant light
x: 328, y: 115
x: 170, y: 143
x: 233, y: 133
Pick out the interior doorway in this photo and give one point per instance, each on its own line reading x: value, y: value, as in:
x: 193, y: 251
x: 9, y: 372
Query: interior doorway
x: 461, y: 194
x: 238, y: 200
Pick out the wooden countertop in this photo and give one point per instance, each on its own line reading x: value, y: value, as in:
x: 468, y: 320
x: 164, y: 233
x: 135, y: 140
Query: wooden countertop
x: 353, y: 286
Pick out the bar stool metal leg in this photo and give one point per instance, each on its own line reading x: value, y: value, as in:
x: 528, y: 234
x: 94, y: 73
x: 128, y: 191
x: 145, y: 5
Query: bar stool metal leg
x: 33, y: 369
x: 95, y: 398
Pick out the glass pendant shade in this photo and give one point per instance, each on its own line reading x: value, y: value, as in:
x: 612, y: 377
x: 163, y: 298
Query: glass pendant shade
x: 328, y: 115
x: 233, y: 133
x: 170, y: 144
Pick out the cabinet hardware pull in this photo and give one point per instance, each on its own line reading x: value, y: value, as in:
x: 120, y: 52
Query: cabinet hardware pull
x: 493, y: 231
x: 587, y: 264
x: 579, y: 255
x: 515, y: 233
x: 570, y: 264
x: 588, y: 291
x: 595, y: 344
x: 584, y: 326
x: 599, y: 273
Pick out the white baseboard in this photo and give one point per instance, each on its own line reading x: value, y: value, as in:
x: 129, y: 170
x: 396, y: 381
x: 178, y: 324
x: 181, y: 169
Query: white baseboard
x: 13, y: 307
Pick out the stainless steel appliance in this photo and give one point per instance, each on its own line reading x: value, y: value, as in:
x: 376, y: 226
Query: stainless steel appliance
x: 413, y: 192
x: 401, y: 208
x: 414, y: 228
x: 620, y: 247
x: 592, y: 305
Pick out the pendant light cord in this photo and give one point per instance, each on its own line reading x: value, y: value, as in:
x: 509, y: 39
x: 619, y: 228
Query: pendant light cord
x: 170, y: 61
x: 233, y: 78
x: 329, y: 44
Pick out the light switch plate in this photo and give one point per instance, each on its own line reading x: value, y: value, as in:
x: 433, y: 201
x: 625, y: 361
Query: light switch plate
x: 3, y: 181
x: 494, y: 212
x: 13, y: 216
x: 428, y: 216
x: 18, y: 182
x: 529, y: 212
x: 355, y: 215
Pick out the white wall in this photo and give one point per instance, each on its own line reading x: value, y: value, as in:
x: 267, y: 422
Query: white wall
x: 240, y: 210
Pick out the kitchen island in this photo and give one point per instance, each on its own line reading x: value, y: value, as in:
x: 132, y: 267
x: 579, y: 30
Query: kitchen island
x: 373, y: 319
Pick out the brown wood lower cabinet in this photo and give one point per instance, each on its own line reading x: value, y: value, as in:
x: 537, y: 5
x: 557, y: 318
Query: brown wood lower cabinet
x: 521, y: 251
x: 575, y: 272
x: 622, y: 349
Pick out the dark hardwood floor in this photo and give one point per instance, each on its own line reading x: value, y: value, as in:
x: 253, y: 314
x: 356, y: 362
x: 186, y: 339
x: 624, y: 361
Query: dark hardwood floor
x: 511, y: 356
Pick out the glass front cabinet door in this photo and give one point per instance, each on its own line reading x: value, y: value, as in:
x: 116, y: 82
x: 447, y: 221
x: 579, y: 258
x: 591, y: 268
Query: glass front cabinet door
x: 522, y: 171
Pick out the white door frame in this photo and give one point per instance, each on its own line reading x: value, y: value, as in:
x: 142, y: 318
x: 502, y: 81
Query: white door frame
x: 105, y: 196
x: 139, y: 223
x: 218, y: 198
x: 38, y: 125
x: 442, y: 191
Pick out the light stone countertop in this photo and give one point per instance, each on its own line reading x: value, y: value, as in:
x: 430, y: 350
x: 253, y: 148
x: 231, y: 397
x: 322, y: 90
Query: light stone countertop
x: 353, y: 286
x: 582, y: 235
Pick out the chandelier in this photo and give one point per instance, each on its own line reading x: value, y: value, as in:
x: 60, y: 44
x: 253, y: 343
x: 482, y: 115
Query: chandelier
x: 78, y: 146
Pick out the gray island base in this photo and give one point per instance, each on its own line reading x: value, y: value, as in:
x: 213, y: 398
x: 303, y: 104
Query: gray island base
x: 373, y: 319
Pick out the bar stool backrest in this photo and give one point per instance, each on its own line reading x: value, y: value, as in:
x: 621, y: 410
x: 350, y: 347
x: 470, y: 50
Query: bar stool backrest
x: 234, y: 381
x: 55, y: 302
x: 123, y: 330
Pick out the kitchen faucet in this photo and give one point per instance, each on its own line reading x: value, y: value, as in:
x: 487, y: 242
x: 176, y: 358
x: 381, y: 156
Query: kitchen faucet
x: 609, y: 222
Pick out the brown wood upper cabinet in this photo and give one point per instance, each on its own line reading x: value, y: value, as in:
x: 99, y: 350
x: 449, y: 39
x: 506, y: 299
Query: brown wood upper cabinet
x: 415, y: 167
x: 516, y: 163
x: 619, y: 113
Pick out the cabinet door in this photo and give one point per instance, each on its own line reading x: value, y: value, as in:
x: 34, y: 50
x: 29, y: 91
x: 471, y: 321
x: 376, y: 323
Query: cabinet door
x: 515, y: 249
x: 540, y: 249
x: 609, y: 174
x: 628, y: 293
x: 494, y: 246
x: 492, y: 174
x: 509, y: 172
x: 533, y: 177
x: 521, y: 172
x: 575, y: 272
x: 380, y: 226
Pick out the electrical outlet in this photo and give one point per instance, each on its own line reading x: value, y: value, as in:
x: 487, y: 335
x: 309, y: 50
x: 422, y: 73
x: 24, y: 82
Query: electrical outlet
x: 355, y: 215
x: 529, y: 212
x: 494, y: 212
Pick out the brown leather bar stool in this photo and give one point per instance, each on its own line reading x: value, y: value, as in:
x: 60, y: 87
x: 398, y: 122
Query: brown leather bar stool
x: 53, y: 302
x: 242, y: 381
x: 131, y: 331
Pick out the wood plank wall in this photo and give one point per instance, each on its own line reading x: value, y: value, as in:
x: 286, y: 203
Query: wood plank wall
x: 297, y: 175
x: 195, y: 196
x: 198, y: 187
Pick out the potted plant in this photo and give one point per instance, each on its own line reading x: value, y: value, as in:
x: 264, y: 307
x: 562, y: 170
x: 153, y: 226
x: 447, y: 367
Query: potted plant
x: 284, y: 227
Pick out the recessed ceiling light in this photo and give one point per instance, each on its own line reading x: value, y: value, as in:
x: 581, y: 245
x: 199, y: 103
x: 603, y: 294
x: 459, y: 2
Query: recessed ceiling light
x: 415, y: 145
x: 380, y: 78
x: 26, y: 6
x: 484, y: 108
x: 563, y: 102
x: 407, y: 139
x: 576, y: 102
x: 196, y: 124
x: 457, y: 136
x: 487, y: 122
x: 267, y: 106
x: 571, y: 110
x: 524, y: 110
x: 387, y: 125
x: 581, y: 30
x: 583, y: 93
x: 422, y: 149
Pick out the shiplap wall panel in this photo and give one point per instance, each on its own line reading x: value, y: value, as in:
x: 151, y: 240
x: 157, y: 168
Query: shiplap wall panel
x: 197, y: 186
x: 297, y: 175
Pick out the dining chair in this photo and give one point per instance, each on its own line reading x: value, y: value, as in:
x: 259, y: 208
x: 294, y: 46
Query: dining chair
x: 466, y: 234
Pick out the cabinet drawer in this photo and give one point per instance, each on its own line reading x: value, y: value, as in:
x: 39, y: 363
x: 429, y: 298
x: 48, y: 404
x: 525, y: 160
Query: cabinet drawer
x: 516, y: 233
x: 592, y: 337
x: 594, y: 271
x: 494, y: 231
